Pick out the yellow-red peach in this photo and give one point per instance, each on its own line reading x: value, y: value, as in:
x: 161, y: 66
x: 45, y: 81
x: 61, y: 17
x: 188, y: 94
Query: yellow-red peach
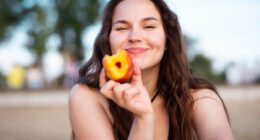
x: 118, y: 67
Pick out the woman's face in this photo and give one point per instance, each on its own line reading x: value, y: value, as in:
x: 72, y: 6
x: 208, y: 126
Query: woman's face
x: 137, y: 28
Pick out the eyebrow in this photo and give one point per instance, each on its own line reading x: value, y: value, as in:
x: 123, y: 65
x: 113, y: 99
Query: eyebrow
x: 150, y: 18
x: 144, y: 19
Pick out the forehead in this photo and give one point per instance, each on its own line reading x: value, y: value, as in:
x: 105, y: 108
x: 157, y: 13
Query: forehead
x: 135, y: 10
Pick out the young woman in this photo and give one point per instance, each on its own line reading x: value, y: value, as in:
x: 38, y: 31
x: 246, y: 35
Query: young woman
x: 164, y: 100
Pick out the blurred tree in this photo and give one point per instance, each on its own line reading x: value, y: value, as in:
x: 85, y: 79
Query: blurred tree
x: 65, y: 18
x: 200, y: 64
x: 2, y: 82
x: 72, y: 17
x: 12, y: 12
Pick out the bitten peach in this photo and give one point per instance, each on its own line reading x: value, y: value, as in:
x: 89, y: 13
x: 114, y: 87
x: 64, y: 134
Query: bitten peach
x: 118, y: 67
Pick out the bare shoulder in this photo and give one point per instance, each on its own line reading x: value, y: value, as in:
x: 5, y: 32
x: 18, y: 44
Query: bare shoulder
x: 209, y: 117
x: 88, y: 111
x: 83, y: 96
x: 84, y: 93
x: 205, y: 94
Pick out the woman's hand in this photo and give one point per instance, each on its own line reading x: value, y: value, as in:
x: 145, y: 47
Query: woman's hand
x: 130, y: 96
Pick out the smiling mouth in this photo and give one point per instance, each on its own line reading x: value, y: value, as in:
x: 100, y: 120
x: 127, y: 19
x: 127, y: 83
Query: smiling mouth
x: 136, y: 50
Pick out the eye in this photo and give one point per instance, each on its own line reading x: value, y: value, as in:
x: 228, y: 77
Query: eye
x: 149, y: 27
x: 121, y: 28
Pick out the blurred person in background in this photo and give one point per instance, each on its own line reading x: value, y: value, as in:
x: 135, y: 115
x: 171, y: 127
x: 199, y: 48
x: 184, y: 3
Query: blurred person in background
x: 233, y: 74
x: 163, y: 100
x: 16, y: 77
x: 71, y: 71
x: 34, y: 77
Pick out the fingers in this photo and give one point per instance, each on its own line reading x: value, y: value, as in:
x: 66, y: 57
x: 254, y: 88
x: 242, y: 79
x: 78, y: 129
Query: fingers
x: 119, y: 92
x: 137, y: 77
x: 129, y: 94
x: 124, y: 94
x: 107, y: 89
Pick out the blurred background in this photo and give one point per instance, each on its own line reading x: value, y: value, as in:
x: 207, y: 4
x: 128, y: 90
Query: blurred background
x: 44, y: 42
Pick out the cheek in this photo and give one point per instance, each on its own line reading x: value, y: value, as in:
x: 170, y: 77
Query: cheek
x: 112, y: 42
x: 115, y: 42
x: 157, y: 38
x: 162, y: 40
x: 158, y: 42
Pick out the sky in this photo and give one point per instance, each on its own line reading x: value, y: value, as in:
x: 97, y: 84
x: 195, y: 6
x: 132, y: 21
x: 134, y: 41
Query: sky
x: 226, y: 31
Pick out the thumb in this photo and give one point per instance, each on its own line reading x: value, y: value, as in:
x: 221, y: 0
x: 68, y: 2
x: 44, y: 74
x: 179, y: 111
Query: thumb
x: 137, y: 76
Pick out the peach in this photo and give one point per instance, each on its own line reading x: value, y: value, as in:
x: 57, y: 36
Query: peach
x: 118, y: 67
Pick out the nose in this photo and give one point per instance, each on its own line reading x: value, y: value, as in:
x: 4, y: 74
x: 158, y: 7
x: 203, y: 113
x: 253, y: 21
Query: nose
x: 134, y: 35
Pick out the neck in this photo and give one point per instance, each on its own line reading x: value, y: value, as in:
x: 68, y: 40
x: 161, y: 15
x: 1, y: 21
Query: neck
x: 150, y: 78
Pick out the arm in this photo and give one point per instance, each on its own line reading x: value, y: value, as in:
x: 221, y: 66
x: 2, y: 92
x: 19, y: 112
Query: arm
x: 87, y: 116
x: 209, y: 117
x: 134, y: 98
x: 142, y: 128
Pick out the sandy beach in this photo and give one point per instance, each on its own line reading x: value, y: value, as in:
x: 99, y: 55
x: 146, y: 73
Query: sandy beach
x: 43, y: 115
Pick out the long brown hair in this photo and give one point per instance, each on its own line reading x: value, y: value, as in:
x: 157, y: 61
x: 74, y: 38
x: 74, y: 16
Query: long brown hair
x: 175, y: 77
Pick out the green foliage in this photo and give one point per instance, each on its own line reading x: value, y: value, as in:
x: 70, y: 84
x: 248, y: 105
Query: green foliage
x: 2, y: 81
x: 201, y: 65
x: 72, y: 17
x: 12, y: 13
x: 65, y: 18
